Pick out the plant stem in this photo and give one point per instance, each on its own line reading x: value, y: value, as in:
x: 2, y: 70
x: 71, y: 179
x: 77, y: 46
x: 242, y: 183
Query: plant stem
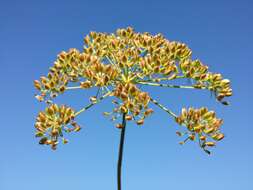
x: 121, y: 146
x: 73, y: 87
x: 163, y: 107
x: 93, y: 103
x: 170, y: 86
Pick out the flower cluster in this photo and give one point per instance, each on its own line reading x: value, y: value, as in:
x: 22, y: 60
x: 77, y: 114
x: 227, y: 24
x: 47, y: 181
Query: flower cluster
x: 99, y: 74
x: 51, y: 124
x: 118, y: 64
x: 145, y: 54
x: 64, y: 70
x: 204, y: 79
x: 134, y: 102
x: 202, y: 124
x: 109, y: 58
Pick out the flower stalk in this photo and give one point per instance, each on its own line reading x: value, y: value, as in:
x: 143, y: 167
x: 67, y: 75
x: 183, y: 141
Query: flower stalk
x: 121, y: 147
x: 170, y: 85
x: 93, y: 103
x: 163, y: 107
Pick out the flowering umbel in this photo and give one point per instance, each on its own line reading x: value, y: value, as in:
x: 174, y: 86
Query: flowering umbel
x: 53, y: 122
x: 118, y: 65
x: 201, y: 124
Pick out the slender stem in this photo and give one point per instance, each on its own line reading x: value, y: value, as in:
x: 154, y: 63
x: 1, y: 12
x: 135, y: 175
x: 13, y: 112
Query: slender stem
x: 93, y: 103
x: 73, y: 87
x: 121, y: 146
x: 111, y: 62
x: 170, y: 86
x: 160, y: 79
x: 163, y: 108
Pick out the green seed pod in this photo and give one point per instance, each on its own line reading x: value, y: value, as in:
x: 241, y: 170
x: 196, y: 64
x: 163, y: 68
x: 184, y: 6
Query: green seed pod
x: 209, y: 115
x: 77, y: 128
x: 65, y: 141
x: 50, y: 110
x: 43, y: 140
x: 209, y: 130
x: 55, y: 108
x: 197, y: 128
x: 179, y: 120
x: 218, y: 136
x: 39, y: 134
x: 69, y: 111
x: 42, y: 117
x: 67, y: 120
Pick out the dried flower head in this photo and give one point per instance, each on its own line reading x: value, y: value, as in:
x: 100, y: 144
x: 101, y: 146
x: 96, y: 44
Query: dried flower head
x: 119, y: 65
x: 51, y: 123
x: 202, y: 124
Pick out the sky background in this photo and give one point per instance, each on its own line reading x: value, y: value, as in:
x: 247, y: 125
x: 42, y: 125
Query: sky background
x: 32, y: 33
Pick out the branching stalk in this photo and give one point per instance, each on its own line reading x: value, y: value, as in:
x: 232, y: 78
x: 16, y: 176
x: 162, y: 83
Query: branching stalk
x: 169, y: 85
x: 163, y: 108
x: 93, y: 103
x: 73, y: 87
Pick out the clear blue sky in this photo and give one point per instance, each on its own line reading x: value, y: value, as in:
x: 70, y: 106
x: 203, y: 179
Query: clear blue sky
x: 32, y: 33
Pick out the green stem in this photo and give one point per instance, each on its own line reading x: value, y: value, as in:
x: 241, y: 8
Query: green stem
x: 163, y: 108
x: 121, y: 147
x: 73, y: 87
x: 169, y: 85
x: 92, y: 104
